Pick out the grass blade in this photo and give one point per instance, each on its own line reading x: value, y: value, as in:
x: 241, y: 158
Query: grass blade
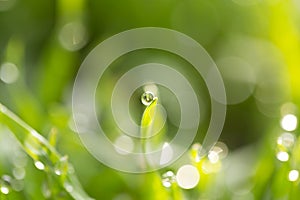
x: 43, y: 153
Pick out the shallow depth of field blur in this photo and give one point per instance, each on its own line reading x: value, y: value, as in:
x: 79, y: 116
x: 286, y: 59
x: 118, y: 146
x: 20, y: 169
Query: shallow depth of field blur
x: 255, y: 45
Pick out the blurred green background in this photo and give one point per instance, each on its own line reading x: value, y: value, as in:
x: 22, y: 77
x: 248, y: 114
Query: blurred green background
x: 255, y: 44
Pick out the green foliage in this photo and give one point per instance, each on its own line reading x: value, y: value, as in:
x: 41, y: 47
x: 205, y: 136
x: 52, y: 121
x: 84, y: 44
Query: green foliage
x: 44, y: 155
x: 48, y: 40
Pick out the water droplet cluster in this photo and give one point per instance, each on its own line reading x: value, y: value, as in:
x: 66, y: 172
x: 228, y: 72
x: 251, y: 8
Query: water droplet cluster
x: 188, y: 176
x: 287, y: 144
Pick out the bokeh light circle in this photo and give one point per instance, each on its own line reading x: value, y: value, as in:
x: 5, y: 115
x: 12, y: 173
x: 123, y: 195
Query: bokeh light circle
x: 99, y: 59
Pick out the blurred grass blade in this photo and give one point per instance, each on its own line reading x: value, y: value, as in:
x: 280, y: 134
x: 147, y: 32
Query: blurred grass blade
x: 42, y: 152
x: 52, y: 138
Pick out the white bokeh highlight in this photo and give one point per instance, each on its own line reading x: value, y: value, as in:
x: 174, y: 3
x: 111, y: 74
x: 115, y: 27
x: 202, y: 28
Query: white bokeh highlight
x: 293, y: 175
x: 187, y: 177
x: 124, y: 145
x: 289, y: 122
x: 9, y: 73
x: 73, y: 36
x: 283, y: 156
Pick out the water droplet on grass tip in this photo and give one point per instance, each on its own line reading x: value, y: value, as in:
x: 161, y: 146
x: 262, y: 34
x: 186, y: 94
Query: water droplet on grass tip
x: 147, y: 98
x: 168, y: 178
x: 39, y: 165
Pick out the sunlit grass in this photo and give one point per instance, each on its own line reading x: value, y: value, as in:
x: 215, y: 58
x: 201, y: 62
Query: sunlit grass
x: 44, y: 154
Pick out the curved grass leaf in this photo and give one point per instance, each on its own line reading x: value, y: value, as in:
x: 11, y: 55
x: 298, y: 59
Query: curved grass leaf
x: 42, y: 152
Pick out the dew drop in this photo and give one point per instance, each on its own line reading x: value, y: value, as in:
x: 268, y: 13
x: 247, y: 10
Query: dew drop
x: 39, y: 165
x: 6, y: 180
x: 293, y: 175
x: 168, y: 178
x: 5, y: 184
x: 282, y: 156
x: 57, y: 172
x: 62, y: 166
x: 147, y: 98
x: 4, y: 189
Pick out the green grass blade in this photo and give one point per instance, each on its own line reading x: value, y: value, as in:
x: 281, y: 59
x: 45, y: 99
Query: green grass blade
x: 148, y: 119
x: 40, y: 150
